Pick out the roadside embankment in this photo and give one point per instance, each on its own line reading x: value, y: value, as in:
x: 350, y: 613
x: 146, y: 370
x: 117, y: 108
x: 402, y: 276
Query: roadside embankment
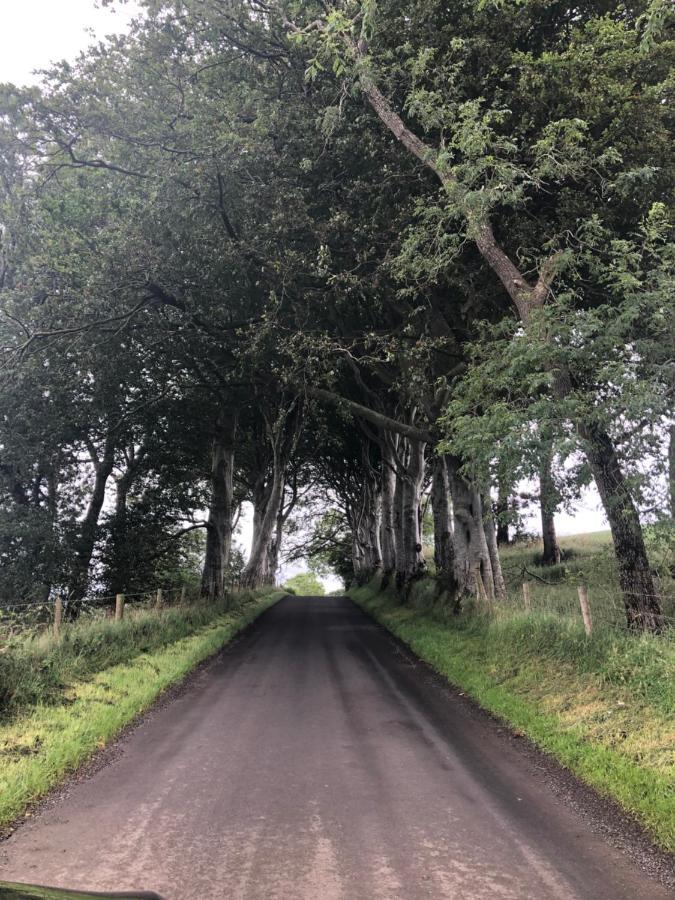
x: 602, y: 705
x: 63, y: 698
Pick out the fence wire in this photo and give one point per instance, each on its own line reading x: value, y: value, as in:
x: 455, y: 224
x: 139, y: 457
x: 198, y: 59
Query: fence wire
x: 24, y: 616
x: 609, y: 607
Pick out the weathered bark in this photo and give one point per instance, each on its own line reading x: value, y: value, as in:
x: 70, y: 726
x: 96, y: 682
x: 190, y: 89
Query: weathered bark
x: 365, y: 517
x: 493, y: 549
x: 547, y: 502
x: 275, y: 546
x: 285, y: 511
x: 282, y: 435
x: 409, y: 559
x: 643, y: 607
x: 265, y: 512
x: 387, y: 532
x: 444, y: 550
x: 399, y: 535
x: 86, y: 539
x: 219, y: 526
x: 473, y: 563
x: 371, y: 529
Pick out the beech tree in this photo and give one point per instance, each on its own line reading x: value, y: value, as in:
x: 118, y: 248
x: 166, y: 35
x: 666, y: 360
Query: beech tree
x: 492, y: 146
x: 371, y: 251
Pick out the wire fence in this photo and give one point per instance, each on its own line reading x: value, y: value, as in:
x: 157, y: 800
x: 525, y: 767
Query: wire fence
x: 25, y: 616
x: 596, y: 606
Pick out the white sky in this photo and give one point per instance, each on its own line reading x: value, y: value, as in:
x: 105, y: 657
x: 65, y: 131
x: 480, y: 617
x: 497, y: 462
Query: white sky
x: 34, y: 33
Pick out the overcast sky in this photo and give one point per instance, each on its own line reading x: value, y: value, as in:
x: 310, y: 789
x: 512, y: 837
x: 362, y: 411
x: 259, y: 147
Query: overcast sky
x: 34, y: 33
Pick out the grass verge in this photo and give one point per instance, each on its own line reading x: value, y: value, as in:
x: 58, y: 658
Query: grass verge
x: 43, y: 743
x: 603, y: 706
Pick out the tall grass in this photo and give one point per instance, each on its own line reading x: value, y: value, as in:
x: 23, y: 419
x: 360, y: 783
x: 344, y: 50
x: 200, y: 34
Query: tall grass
x: 603, y: 704
x: 44, y: 741
x: 35, y: 667
x: 588, y: 559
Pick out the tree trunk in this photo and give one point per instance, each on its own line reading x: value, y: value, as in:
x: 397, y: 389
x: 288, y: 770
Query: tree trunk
x: 282, y: 435
x: 365, y: 522
x: 86, y: 540
x: 275, y: 546
x: 387, y: 529
x: 444, y: 551
x: 493, y: 549
x: 473, y: 565
x: 410, y: 563
x: 119, y: 551
x: 399, y: 535
x: 502, y: 510
x: 219, y: 528
x: 548, y: 503
x: 358, y: 561
x: 373, y: 519
x: 266, y: 510
x: 643, y: 608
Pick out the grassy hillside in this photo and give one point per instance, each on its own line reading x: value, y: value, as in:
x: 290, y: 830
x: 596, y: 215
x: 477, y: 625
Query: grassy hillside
x: 587, y: 559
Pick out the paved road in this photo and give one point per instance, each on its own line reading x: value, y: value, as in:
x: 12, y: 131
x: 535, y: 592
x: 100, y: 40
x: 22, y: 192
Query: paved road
x: 314, y: 759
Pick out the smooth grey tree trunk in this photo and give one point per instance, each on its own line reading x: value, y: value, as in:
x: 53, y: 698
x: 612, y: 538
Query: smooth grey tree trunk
x: 444, y: 550
x: 387, y: 530
x: 257, y: 571
x: 493, y: 548
x: 219, y: 527
x: 473, y: 565
x: 365, y: 523
x: 409, y: 559
x: 283, y: 435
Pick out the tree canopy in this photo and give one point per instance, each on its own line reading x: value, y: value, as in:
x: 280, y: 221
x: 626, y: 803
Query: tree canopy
x: 338, y: 261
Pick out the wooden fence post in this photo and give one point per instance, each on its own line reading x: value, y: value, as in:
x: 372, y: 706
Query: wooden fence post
x: 526, y: 595
x: 585, y: 609
x: 58, y: 615
x: 159, y: 600
x: 119, y: 607
x: 183, y: 594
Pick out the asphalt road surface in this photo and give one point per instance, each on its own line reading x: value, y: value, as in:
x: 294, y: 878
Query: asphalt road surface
x: 314, y: 759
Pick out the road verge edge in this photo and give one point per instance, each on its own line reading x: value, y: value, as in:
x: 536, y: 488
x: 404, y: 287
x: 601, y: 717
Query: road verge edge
x: 539, y: 697
x: 42, y: 746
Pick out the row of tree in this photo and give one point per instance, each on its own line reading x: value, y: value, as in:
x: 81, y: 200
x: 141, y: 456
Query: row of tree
x: 338, y: 256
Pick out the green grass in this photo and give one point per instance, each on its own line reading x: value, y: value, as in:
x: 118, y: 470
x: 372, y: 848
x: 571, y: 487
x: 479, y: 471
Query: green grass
x: 89, y: 700
x: 35, y: 667
x: 587, y: 559
x: 603, y: 706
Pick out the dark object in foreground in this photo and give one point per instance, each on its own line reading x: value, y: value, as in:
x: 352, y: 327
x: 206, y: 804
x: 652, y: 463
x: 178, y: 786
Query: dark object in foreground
x: 33, y: 892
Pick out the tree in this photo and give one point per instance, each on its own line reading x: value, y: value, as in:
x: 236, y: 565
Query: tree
x: 490, y: 158
x: 305, y: 584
